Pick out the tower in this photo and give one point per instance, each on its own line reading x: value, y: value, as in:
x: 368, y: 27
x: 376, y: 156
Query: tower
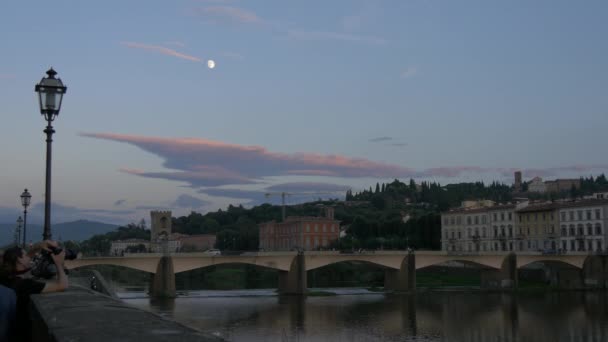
x: 517, y: 184
x: 160, y: 223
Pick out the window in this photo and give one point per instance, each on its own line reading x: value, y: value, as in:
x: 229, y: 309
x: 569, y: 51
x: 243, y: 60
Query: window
x: 483, y: 219
x: 564, y: 231
x: 452, y: 234
x: 589, y: 229
x: 565, y: 245
x: 571, y: 214
x: 572, y: 231
x: 477, y: 232
x: 452, y: 220
x: 476, y: 219
x: 495, y: 231
x: 483, y: 232
x: 316, y: 228
x: 459, y: 234
x: 510, y: 246
x: 589, y: 245
x: 324, y: 228
x: 469, y: 220
x: 502, y: 216
x: 599, y: 245
x: 459, y: 220
x: 502, y: 231
x: 579, y: 215
x: 333, y: 228
x: 563, y: 214
x: 510, y: 230
x: 316, y: 242
x: 552, y: 216
x: 588, y: 214
x: 581, y: 230
x: 544, y: 216
x: 510, y: 216
x: 469, y: 232
x: 572, y: 246
x: 307, y: 228
x: 597, y: 214
x: 598, y: 229
x: 495, y: 217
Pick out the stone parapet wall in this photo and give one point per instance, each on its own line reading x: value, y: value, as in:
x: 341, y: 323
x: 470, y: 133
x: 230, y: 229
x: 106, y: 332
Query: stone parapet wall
x: 83, y: 315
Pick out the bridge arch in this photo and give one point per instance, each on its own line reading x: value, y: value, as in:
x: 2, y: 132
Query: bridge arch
x: 146, y: 264
x: 388, y: 261
x: 279, y: 263
x: 577, y: 261
x: 488, y: 261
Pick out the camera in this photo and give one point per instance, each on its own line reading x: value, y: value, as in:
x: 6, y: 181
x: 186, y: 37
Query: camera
x: 44, y: 265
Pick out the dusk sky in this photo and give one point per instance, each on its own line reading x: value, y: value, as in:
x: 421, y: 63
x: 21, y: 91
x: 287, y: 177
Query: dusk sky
x: 305, y: 96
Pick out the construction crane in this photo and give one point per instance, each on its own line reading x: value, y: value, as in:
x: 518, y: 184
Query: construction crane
x: 283, y: 194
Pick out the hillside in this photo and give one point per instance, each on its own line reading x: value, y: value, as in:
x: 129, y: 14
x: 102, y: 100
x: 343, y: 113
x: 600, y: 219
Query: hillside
x: 77, y: 230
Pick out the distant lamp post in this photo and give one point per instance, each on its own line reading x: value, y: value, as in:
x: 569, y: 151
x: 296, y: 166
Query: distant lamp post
x: 26, y: 197
x: 18, y: 231
x: 50, y: 94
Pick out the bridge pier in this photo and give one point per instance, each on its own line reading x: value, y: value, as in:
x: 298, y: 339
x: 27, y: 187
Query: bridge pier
x: 403, y: 279
x: 293, y: 282
x: 503, y: 278
x: 163, y: 281
x: 594, y: 272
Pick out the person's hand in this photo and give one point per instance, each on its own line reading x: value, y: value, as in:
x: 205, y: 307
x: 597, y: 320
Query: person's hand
x: 48, y: 244
x: 58, y: 258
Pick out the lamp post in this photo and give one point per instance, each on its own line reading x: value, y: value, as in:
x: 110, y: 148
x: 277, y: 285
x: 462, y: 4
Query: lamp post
x: 50, y: 93
x: 18, y: 231
x: 26, y: 197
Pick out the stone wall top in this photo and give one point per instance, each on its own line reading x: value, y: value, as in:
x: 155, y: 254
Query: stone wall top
x: 83, y: 315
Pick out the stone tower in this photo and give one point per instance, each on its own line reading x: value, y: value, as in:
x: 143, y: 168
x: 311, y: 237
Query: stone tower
x: 517, y: 184
x: 160, y: 222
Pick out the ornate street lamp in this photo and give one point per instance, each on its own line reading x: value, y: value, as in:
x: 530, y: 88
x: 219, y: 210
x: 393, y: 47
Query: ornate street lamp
x: 50, y: 94
x: 25, y: 202
x: 18, y: 231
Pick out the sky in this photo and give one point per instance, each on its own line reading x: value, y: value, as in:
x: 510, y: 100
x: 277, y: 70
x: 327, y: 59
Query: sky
x: 306, y: 97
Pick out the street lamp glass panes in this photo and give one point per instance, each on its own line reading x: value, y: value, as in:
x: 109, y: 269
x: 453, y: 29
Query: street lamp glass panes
x: 26, y: 198
x: 50, y: 93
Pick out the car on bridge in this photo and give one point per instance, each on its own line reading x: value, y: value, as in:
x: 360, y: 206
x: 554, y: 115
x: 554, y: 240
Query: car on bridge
x: 212, y: 252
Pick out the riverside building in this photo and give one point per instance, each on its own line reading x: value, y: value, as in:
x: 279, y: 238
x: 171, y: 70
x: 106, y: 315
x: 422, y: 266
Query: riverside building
x: 300, y: 232
x: 547, y: 227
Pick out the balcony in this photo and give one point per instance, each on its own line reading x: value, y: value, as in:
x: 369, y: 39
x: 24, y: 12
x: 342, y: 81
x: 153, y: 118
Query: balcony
x: 476, y: 238
x: 552, y: 235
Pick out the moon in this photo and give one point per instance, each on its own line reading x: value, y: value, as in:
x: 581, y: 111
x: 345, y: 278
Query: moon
x: 210, y: 64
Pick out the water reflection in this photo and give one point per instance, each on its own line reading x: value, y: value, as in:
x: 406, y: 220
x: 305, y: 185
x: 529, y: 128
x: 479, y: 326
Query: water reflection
x: 437, y: 316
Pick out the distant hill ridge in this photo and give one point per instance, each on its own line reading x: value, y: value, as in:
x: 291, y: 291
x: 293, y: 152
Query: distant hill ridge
x: 77, y: 230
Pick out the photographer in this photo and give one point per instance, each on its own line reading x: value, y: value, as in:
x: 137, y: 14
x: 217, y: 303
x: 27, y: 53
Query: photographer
x: 16, y: 267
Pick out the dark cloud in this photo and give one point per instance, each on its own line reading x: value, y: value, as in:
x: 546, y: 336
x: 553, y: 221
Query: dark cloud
x: 187, y: 201
x: 380, y: 139
x: 120, y: 202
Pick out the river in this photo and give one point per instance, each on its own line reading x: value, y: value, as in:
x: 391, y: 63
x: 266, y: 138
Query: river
x: 360, y: 315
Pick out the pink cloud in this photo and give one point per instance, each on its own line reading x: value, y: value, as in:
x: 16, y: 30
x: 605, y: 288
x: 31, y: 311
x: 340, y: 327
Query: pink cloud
x: 208, y: 163
x: 203, y: 162
x: 161, y: 49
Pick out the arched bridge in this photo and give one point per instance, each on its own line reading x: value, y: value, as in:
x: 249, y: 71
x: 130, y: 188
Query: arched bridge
x: 499, y: 270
